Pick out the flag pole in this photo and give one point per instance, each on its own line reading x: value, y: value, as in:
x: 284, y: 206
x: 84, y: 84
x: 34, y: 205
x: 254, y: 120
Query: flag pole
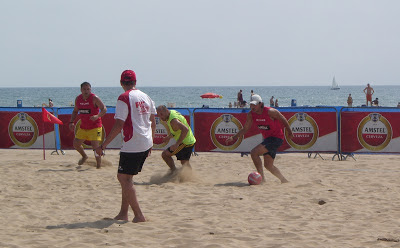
x: 47, y: 117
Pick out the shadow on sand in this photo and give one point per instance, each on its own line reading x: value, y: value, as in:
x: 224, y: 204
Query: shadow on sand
x: 99, y: 224
x: 235, y: 184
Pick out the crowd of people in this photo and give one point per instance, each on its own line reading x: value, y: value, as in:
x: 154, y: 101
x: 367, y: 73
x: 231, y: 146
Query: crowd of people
x: 273, y: 102
x: 368, y: 91
x: 240, y: 103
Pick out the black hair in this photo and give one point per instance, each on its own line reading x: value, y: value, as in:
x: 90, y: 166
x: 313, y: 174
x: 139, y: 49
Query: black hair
x: 129, y: 82
x: 84, y: 84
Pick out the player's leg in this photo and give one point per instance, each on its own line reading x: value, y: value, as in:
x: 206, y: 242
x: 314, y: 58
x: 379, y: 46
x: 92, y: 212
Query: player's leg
x: 130, y: 164
x: 78, y: 146
x: 184, y: 156
x: 167, y: 157
x: 269, y: 165
x: 186, y: 163
x: 255, y: 153
x: 95, y: 144
x: 129, y: 198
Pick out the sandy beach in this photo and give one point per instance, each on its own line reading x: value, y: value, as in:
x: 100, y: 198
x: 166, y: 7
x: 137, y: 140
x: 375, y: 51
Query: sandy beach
x: 55, y: 203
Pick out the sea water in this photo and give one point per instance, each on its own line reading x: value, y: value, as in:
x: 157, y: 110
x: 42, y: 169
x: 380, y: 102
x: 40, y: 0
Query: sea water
x: 189, y: 97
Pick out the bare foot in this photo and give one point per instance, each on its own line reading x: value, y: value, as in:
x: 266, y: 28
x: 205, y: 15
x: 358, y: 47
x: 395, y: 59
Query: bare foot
x: 98, y: 166
x: 284, y: 181
x: 82, y: 160
x: 121, y: 217
x: 139, y: 219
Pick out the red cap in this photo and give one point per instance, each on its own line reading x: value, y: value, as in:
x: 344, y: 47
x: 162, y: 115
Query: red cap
x: 128, y: 76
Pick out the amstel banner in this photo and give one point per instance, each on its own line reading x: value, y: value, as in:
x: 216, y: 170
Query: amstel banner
x: 370, y: 130
x: 314, y: 130
x: 24, y: 128
x: 67, y: 136
x: 162, y: 130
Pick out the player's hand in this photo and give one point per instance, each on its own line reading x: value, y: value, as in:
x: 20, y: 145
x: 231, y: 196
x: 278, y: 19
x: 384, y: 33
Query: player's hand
x: 99, y: 150
x: 71, y: 126
x: 228, y: 140
x: 166, y: 139
x: 94, y: 117
x: 174, y: 147
x: 290, y: 135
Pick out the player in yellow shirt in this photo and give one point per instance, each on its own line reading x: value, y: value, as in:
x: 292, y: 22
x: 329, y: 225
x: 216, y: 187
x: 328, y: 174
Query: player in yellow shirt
x: 181, y: 132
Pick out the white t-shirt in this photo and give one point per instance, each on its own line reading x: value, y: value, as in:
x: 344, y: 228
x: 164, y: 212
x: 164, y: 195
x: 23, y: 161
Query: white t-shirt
x: 135, y: 107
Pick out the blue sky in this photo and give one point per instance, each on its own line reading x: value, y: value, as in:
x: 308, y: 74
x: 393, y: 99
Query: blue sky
x: 199, y: 43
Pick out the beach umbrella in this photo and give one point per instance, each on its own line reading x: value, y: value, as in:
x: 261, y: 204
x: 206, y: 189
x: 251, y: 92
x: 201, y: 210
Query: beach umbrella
x: 210, y: 95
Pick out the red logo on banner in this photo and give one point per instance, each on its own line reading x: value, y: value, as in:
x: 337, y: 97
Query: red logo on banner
x: 23, y: 130
x: 374, y: 132
x: 305, y: 131
x: 162, y: 131
x: 224, y: 127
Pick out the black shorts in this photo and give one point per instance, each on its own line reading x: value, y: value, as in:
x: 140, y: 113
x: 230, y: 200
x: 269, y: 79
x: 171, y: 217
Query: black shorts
x: 131, y: 163
x: 183, y: 152
x: 272, y: 144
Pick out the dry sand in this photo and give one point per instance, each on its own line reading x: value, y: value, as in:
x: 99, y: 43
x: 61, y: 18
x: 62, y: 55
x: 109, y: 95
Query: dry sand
x: 54, y: 203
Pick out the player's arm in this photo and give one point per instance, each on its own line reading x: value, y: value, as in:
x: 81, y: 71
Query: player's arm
x: 153, y: 125
x: 168, y: 137
x: 121, y: 113
x: 103, y: 109
x: 116, y: 130
x: 177, y: 125
x: 73, y: 116
x: 242, y: 131
x: 275, y: 114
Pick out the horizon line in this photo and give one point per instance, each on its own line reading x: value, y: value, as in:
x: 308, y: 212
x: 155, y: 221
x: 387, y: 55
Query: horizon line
x: 199, y: 86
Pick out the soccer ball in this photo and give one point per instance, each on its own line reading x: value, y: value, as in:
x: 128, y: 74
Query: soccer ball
x: 254, y: 178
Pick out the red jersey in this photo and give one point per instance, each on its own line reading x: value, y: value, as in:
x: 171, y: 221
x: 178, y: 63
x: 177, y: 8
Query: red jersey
x: 86, y: 110
x: 267, y: 126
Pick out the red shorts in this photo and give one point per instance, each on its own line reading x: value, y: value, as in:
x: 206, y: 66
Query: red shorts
x: 369, y: 97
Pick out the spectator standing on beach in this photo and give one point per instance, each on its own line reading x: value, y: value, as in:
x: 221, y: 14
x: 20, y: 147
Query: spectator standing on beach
x: 251, y: 94
x: 276, y: 103
x: 90, y: 109
x: 368, y: 93
x: 240, y: 98
x: 181, y: 132
x: 50, y: 105
x: 269, y: 121
x: 135, y: 115
x: 349, y: 101
x: 271, y: 102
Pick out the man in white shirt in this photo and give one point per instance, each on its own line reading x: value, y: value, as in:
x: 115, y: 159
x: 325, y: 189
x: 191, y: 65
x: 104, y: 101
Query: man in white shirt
x: 135, y: 116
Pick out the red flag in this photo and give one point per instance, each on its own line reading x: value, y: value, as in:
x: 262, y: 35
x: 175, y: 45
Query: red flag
x: 48, y: 117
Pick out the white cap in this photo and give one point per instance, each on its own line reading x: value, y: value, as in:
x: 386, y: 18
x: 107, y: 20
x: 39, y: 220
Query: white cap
x: 255, y: 99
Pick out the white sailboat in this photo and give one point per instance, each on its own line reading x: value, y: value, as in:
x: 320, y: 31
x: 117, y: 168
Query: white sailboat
x: 335, y: 85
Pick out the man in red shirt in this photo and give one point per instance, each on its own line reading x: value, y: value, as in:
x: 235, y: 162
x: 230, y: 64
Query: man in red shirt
x: 90, y: 109
x: 269, y: 121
